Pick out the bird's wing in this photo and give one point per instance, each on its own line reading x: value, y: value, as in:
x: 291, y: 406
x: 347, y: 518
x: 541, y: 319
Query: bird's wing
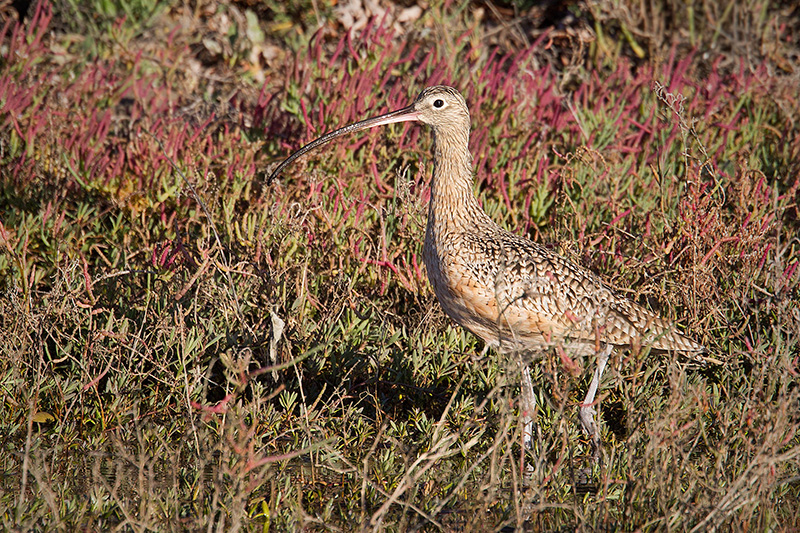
x: 539, y: 292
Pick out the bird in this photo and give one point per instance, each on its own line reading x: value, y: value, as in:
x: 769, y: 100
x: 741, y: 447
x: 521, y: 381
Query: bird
x: 515, y: 294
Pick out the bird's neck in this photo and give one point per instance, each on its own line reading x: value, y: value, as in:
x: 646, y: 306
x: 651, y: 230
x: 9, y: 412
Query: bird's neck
x: 452, y: 202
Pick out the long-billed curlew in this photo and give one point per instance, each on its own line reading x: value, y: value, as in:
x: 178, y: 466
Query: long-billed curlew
x: 511, y: 292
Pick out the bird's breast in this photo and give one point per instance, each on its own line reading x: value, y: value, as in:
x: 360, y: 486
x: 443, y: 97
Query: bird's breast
x: 465, y: 283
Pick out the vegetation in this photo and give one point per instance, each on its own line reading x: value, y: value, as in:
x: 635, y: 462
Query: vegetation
x: 187, y: 347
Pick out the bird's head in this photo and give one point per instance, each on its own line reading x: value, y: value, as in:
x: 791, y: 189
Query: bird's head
x: 441, y: 107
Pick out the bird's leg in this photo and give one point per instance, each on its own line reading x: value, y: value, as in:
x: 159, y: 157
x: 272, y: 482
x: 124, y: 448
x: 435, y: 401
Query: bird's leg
x: 527, y: 406
x: 587, y: 412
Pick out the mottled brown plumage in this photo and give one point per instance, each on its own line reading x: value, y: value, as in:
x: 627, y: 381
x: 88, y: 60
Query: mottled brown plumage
x: 511, y: 292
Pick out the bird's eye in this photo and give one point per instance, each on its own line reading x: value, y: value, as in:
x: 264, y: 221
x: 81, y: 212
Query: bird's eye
x: 438, y: 103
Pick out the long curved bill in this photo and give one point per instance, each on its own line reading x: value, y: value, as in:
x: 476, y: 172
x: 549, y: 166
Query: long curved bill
x: 401, y: 115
